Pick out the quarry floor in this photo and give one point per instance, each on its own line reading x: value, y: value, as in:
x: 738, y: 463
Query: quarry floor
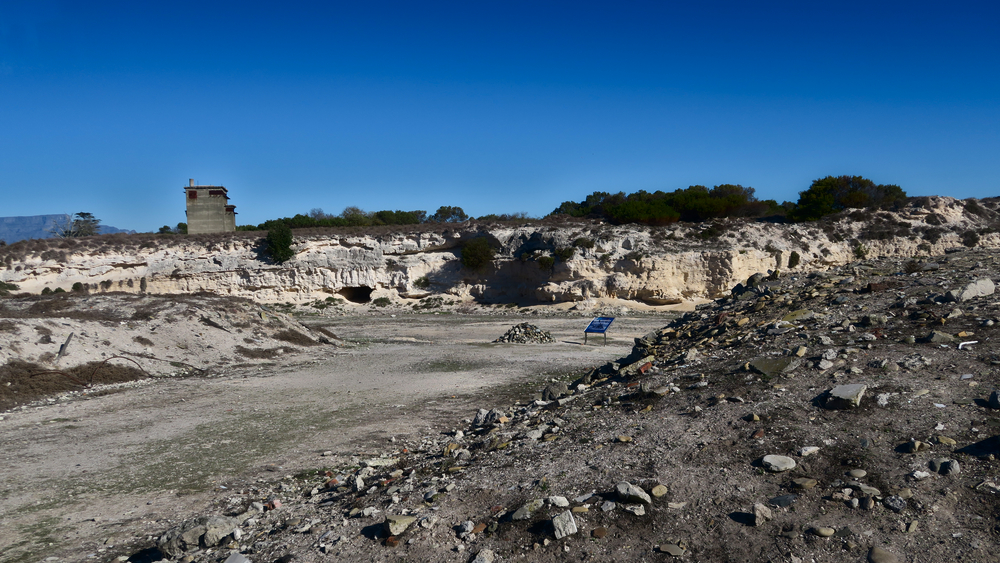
x: 79, y: 477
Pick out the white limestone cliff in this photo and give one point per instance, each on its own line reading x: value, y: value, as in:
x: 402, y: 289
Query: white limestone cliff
x: 656, y: 265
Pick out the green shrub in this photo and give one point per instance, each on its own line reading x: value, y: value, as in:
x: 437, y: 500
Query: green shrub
x: 860, y: 252
x: 59, y: 290
x: 477, y: 253
x: 583, y: 243
x: 46, y: 291
x: 793, y: 259
x: 279, y: 242
x: 970, y: 238
x: 695, y: 203
x: 565, y: 254
x: 422, y: 282
x: 836, y: 193
x: 382, y: 302
x: 6, y: 288
x: 546, y: 262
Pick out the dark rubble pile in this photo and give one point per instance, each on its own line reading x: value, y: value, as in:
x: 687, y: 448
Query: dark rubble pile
x: 840, y: 416
x: 526, y: 333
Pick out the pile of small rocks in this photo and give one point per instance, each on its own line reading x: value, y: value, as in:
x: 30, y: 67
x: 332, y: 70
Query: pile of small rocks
x: 526, y: 333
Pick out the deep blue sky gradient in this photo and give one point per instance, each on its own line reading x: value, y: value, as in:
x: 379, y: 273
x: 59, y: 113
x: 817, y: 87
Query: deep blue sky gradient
x: 109, y: 107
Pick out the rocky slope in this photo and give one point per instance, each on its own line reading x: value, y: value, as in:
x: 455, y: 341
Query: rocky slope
x: 655, y: 265
x: 840, y: 416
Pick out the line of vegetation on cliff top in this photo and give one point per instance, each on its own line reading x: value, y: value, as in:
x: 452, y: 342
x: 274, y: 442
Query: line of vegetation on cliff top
x: 698, y: 203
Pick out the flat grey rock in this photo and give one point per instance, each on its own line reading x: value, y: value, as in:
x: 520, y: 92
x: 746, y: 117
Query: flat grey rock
x: 772, y: 366
x: 564, y: 525
x: 778, y: 463
x: 628, y: 492
x: 525, y: 511
x: 879, y: 555
x: 846, y: 396
x: 979, y: 288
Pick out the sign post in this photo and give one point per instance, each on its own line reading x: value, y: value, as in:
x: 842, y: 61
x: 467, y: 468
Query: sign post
x: 598, y: 326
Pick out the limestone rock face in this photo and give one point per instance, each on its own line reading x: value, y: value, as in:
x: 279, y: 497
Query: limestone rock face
x: 653, y: 265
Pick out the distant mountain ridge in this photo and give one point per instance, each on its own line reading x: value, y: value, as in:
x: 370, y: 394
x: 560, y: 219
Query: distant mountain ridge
x: 13, y: 229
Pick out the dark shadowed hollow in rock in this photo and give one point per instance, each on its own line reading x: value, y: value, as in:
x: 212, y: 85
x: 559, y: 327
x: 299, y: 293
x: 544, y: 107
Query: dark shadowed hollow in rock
x: 361, y: 294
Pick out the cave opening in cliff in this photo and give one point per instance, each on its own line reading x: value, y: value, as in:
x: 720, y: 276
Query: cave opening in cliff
x: 362, y: 294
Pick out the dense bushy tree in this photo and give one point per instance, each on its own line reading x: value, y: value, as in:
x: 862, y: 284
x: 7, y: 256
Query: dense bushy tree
x: 279, y: 242
x: 350, y: 217
x: 835, y: 193
x: 448, y: 214
x: 695, y: 203
x: 477, y: 253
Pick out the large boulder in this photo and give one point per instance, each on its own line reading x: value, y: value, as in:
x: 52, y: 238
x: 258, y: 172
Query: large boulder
x: 979, y: 288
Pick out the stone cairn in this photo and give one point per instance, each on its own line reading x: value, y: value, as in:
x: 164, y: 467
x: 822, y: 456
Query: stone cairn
x: 526, y: 333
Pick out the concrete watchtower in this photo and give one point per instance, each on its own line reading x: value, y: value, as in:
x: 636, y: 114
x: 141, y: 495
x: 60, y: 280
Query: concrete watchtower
x: 208, y: 210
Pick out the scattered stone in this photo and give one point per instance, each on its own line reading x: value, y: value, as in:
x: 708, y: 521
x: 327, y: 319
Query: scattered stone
x: 879, y: 555
x: 846, y: 396
x: 944, y: 466
x: 804, y: 483
x: 628, y: 492
x: 637, y: 509
x: 938, y: 337
x: 564, y: 525
x: 561, y: 502
x: 761, y: 514
x: 397, y: 524
x: 808, y: 451
x: 894, y: 503
x: 800, y: 315
x: 555, y: 391
x: 599, y: 532
x: 914, y: 446
x: 783, y: 501
x: 945, y: 441
x: 823, y: 531
x: 978, y: 288
x: 773, y: 366
x: 484, y: 556
x: 525, y: 511
x: 778, y: 463
x: 659, y: 491
x: 857, y: 473
x: 205, y: 531
x: 672, y: 549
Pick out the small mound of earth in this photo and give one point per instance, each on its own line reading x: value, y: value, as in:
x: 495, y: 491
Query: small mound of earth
x: 526, y: 333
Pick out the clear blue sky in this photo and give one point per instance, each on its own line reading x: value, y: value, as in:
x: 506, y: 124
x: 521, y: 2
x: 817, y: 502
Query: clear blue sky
x: 109, y: 107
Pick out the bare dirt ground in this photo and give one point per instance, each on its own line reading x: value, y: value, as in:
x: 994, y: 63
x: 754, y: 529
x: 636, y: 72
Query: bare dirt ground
x: 90, y: 475
x: 848, y: 415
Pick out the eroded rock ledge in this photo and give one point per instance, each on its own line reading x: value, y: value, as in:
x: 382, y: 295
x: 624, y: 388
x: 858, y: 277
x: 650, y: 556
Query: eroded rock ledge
x: 655, y: 265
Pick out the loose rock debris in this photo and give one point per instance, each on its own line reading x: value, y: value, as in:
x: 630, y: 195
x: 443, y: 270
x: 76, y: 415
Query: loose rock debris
x: 526, y: 333
x: 846, y: 479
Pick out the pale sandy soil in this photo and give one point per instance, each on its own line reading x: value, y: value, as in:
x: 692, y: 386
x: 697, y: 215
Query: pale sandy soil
x: 80, y: 476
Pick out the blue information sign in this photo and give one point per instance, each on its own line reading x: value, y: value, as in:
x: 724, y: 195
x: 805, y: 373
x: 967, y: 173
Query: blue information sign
x: 600, y: 326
